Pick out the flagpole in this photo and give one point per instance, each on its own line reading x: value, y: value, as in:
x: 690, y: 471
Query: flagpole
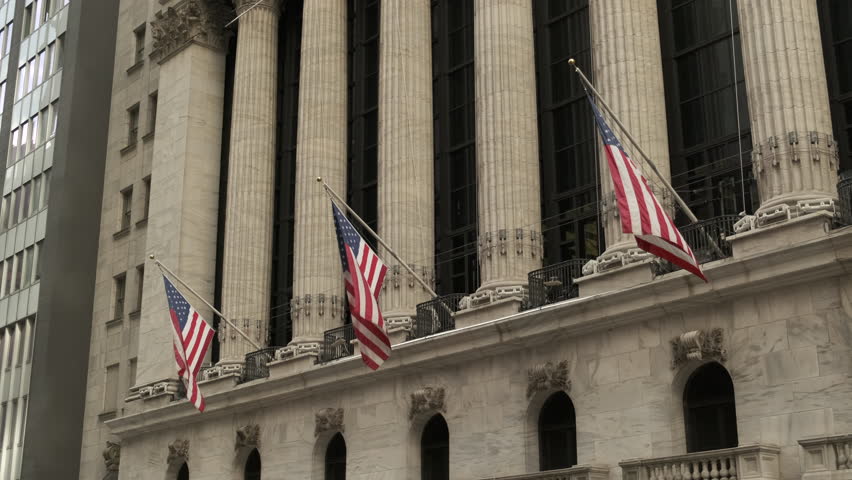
x: 644, y: 155
x: 217, y: 312
x: 334, y: 196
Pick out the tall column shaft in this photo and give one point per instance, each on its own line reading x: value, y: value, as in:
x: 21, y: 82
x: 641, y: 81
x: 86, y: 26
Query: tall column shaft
x: 794, y: 155
x: 405, y: 190
x: 628, y: 73
x: 246, y: 267
x: 317, y: 303
x: 506, y: 144
x: 183, y: 212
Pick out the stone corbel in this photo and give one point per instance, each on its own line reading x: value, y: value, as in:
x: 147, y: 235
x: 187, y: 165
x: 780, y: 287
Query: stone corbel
x: 329, y: 420
x: 427, y: 399
x: 698, y: 345
x: 548, y: 376
x: 112, y: 456
x: 178, y: 452
x: 247, y: 436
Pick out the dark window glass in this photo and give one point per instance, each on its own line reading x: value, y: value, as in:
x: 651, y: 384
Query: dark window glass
x: 289, y: 46
x: 567, y: 140
x: 183, y: 473
x: 836, y: 27
x: 557, y: 433
x: 435, y: 450
x: 457, y: 270
x: 335, y: 459
x: 709, y: 409
x: 701, y: 101
x: 252, y: 471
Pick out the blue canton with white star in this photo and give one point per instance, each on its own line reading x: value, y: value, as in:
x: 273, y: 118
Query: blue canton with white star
x: 606, y: 132
x: 177, y: 303
x: 345, y: 233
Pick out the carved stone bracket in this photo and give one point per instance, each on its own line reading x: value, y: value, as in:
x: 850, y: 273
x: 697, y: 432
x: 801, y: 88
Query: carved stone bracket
x: 178, y: 452
x: 168, y: 387
x: 698, y: 345
x: 218, y: 371
x: 547, y: 376
x: 112, y: 456
x: 189, y: 21
x: 504, y: 242
x: 329, y: 419
x: 293, y: 351
x: 427, y: 399
x: 317, y: 305
x: 248, y: 436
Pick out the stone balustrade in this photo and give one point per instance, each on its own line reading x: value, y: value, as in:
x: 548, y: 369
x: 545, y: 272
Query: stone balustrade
x: 827, y: 457
x: 739, y: 463
x: 577, y: 472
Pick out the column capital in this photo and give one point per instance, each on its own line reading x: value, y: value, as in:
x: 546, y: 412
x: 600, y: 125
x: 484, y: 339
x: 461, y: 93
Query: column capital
x: 243, y: 5
x: 188, y: 22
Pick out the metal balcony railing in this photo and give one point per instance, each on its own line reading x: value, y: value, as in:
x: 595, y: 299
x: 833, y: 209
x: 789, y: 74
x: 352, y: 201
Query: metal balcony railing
x: 337, y: 343
x: 436, y: 315
x: 707, y: 239
x: 256, y: 361
x: 844, y: 200
x: 554, y: 283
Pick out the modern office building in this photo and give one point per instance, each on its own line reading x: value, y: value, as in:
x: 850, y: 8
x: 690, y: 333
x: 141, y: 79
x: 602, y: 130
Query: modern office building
x: 55, y: 67
x: 458, y: 130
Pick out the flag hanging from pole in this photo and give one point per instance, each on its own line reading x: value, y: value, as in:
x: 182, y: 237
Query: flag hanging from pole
x: 192, y: 337
x: 363, y: 274
x: 640, y: 212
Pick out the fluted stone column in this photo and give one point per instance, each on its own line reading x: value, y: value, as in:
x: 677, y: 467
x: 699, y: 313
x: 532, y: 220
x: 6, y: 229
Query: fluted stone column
x: 405, y: 190
x: 506, y: 147
x: 317, y: 303
x: 183, y: 214
x: 247, y: 262
x: 794, y: 156
x: 628, y: 73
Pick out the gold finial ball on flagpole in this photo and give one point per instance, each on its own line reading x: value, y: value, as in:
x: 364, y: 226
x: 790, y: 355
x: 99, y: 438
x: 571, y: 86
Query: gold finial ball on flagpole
x: 319, y: 179
x: 151, y: 256
x: 571, y: 61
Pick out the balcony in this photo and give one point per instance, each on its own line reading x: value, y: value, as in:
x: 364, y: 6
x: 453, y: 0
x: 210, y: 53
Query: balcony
x: 828, y: 457
x: 707, y: 239
x: 256, y: 361
x: 435, y: 316
x: 578, y: 472
x: 554, y: 283
x: 748, y: 462
x: 337, y: 343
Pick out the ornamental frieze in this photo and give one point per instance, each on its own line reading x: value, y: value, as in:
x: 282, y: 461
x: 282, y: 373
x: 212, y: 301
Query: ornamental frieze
x: 189, y: 21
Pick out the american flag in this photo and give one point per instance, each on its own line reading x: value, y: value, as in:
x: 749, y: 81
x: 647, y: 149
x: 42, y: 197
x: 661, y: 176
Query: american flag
x: 363, y: 273
x: 640, y: 212
x: 192, y: 337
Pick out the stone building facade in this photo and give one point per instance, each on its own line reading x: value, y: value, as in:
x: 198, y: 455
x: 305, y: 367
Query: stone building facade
x: 551, y: 353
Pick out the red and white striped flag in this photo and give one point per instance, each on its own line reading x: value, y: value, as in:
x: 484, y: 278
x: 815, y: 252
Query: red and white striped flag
x: 640, y: 212
x: 363, y: 273
x: 192, y: 337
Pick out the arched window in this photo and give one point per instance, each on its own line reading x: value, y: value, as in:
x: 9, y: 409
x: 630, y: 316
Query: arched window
x: 557, y: 433
x: 253, y: 466
x: 435, y: 450
x: 709, y: 411
x: 183, y: 473
x: 335, y: 459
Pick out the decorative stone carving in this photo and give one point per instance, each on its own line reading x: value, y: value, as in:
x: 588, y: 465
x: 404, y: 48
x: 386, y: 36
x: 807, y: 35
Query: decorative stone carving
x: 112, y: 456
x: 329, y: 419
x: 248, y: 436
x: 427, y: 399
x: 168, y: 387
x: 178, y: 451
x: 293, y: 351
x: 199, y: 21
x: 698, y: 345
x: 547, y: 376
x: 222, y: 370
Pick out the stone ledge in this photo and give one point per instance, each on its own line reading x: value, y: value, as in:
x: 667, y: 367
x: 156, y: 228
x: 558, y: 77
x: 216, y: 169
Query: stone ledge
x: 626, y: 276
x: 489, y: 311
x: 291, y: 366
x: 577, y: 472
x: 676, y: 292
x: 781, y: 235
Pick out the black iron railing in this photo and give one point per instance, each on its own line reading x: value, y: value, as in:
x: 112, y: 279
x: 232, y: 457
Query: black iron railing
x: 554, y: 283
x: 256, y: 361
x: 436, y: 315
x: 844, y: 199
x: 708, y: 240
x: 337, y: 343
